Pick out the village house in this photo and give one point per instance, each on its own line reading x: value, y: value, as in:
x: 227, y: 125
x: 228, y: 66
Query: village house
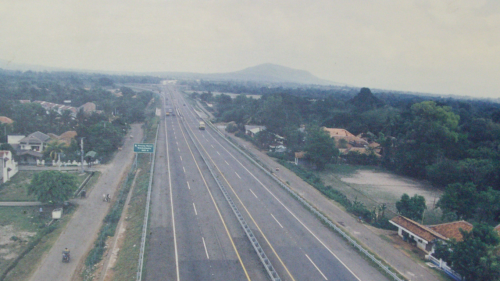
x: 8, y: 167
x: 29, y: 148
x: 425, y: 237
x: 347, y: 142
x: 87, y: 108
x: 252, y: 130
x: 36, y: 141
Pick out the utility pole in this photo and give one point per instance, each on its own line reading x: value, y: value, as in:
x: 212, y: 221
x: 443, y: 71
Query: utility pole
x: 81, y: 152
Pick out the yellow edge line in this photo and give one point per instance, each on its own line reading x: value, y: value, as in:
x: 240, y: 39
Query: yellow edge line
x: 246, y: 210
x: 215, y: 204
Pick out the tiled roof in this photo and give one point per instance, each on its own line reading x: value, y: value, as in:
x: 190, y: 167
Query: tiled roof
x: 88, y: 107
x: 36, y: 137
x: 4, y: 153
x: 421, y: 231
x: 6, y: 120
x: 335, y: 132
x: 68, y: 134
x: 452, y: 229
x: 31, y: 152
x: 41, y: 136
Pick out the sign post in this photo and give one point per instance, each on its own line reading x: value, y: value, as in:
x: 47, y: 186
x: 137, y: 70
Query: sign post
x: 144, y: 148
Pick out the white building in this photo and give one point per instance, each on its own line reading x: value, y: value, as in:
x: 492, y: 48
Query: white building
x: 8, y: 166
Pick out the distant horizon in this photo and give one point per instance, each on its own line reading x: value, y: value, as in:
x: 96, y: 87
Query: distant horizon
x: 31, y: 67
x: 426, y: 46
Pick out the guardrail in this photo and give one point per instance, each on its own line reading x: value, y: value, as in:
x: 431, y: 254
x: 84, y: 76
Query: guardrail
x: 322, y: 217
x: 253, y: 240
x: 444, y: 267
x: 146, y: 214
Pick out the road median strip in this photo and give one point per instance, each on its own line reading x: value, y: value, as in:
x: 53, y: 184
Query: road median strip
x: 384, y: 266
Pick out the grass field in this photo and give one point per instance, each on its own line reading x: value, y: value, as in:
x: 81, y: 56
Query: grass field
x: 29, y: 262
x: 24, y: 230
x: 373, y: 186
x: 18, y: 227
x: 17, y: 188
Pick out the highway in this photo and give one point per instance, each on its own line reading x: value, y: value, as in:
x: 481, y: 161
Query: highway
x: 195, y: 236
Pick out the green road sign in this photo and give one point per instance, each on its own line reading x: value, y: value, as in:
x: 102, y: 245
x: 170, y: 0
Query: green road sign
x: 144, y: 147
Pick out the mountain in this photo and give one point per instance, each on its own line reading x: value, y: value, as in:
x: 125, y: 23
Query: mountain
x: 274, y: 73
x: 267, y: 73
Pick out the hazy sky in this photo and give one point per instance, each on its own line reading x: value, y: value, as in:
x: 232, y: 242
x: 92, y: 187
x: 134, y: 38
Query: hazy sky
x: 436, y: 46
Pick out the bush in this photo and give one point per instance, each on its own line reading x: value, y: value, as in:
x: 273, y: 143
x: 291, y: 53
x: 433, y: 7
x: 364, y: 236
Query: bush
x: 360, y: 210
x: 281, y: 155
x: 356, y: 158
x: 231, y: 128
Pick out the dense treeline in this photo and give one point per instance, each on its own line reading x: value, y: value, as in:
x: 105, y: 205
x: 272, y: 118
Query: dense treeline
x: 102, y: 131
x: 446, y: 141
x: 454, y: 144
x: 257, y: 88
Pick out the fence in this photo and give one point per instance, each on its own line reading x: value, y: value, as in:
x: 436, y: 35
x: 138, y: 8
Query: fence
x: 322, y: 217
x: 443, y: 266
x: 253, y: 240
x: 146, y: 213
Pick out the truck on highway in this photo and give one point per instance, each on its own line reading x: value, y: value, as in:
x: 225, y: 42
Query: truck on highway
x: 169, y: 111
x: 202, y: 125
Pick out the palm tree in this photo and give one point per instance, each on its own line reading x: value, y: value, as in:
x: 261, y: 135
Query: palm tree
x: 54, y: 149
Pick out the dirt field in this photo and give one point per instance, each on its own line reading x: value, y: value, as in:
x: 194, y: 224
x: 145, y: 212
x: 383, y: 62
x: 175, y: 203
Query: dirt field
x: 373, y: 187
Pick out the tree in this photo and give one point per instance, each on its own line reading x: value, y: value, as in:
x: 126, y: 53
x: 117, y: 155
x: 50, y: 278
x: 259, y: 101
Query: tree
x: 320, y: 147
x: 54, y: 149
x: 365, y: 100
x: 460, y: 199
x: 52, y: 186
x: 412, y: 208
x: 475, y: 257
x: 430, y: 130
x: 488, y: 206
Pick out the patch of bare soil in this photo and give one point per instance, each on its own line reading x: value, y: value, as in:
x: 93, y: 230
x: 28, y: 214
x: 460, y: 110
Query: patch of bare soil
x: 10, y: 247
x: 385, y: 185
x: 108, y: 274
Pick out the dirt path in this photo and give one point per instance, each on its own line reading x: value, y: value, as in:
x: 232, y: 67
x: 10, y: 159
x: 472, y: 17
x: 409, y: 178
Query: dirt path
x: 81, y: 231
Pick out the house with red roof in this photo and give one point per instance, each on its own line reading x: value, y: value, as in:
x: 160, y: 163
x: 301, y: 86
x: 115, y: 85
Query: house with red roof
x: 425, y: 237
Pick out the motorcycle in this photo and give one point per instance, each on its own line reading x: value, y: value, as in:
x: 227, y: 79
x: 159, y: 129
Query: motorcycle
x: 106, y: 198
x: 65, y: 257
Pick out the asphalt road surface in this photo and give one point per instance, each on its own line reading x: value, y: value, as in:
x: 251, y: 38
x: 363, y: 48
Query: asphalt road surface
x: 195, y: 236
